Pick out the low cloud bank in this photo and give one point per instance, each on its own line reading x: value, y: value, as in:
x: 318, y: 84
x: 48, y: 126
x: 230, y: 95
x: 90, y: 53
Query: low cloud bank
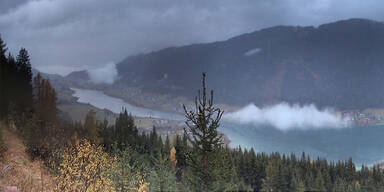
x: 107, y: 74
x: 286, y: 117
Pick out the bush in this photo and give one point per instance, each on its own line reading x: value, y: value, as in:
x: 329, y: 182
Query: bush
x: 84, y: 167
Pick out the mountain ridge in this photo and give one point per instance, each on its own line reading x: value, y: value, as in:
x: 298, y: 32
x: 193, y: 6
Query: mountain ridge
x: 336, y: 64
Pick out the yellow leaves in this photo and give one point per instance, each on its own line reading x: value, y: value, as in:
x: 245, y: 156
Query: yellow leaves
x: 357, y: 185
x: 173, y: 156
x: 84, y: 168
x: 143, y: 185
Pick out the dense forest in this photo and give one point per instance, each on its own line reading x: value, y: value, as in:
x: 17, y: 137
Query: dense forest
x: 98, y: 156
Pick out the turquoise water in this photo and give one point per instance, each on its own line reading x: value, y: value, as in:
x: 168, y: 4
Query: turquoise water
x: 364, y: 144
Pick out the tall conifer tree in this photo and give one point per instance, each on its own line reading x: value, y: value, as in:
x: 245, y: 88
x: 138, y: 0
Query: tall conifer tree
x: 202, y: 125
x: 25, y: 80
x: 126, y: 132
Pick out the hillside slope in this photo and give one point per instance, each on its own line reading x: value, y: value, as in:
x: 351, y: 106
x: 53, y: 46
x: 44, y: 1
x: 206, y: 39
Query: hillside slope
x: 338, y: 64
x: 18, y: 170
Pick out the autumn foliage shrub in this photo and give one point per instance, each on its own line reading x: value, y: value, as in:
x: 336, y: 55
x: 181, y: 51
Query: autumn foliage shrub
x: 84, y: 168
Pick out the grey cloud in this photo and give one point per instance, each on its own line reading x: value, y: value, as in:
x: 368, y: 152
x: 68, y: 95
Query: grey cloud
x: 6, y: 5
x: 67, y: 35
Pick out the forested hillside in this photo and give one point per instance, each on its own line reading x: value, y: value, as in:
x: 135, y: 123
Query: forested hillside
x: 338, y: 64
x: 98, y: 156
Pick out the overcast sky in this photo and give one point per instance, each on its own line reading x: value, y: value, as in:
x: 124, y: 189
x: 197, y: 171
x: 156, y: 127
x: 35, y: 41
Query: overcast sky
x: 67, y: 35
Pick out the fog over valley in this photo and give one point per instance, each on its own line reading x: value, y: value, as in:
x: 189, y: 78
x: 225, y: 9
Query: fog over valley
x: 177, y: 95
x: 107, y: 74
x: 285, y: 117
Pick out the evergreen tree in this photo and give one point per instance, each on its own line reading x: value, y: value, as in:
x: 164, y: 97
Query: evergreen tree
x: 25, y: 81
x: 12, y: 89
x: 273, y: 179
x: 3, y: 80
x: 298, y: 184
x: 227, y: 177
x: 126, y: 133
x: 156, y: 144
x: 130, y: 171
x: 340, y: 185
x: 319, y: 184
x: 162, y: 177
x: 167, y: 145
x: 350, y: 170
x: 181, y: 148
x: 286, y: 178
x: 202, y: 125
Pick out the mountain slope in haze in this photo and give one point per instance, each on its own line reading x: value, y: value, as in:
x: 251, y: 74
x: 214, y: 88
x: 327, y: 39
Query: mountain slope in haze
x: 338, y: 64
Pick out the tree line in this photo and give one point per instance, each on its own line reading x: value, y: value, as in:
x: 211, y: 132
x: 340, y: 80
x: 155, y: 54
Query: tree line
x: 98, y: 156
x: 16, y: 82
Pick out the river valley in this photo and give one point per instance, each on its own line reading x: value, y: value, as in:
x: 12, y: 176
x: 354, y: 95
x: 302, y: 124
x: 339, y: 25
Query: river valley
x: 363, y: 143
